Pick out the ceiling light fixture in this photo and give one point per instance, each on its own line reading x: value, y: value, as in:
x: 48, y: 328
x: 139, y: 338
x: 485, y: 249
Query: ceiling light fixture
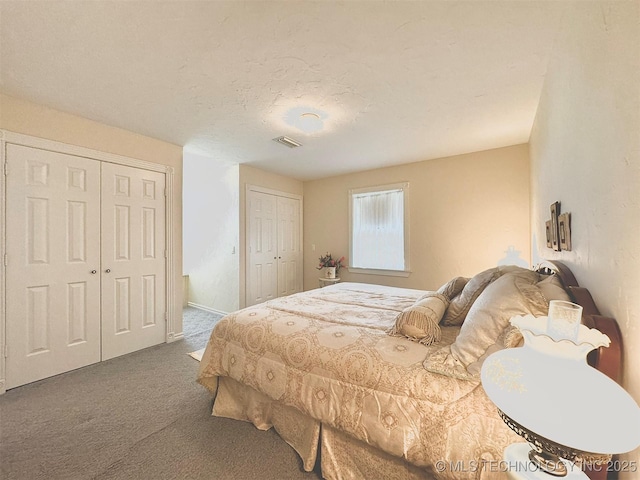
x: 310, y: 115
x: 289, y: 142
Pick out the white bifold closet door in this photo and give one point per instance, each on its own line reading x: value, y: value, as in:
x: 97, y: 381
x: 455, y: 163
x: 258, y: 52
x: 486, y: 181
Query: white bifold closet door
x: 275, y: 247
x: 53, y: 262
x: 85, y: 262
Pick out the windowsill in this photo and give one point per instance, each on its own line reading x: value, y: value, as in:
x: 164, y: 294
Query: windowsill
x: 373, y: 271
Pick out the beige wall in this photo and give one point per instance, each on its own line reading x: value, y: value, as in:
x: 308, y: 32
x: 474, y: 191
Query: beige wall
x: 465, y: 212
x: 254, y: 176
x: 585, y: 153
x: 39, y: 121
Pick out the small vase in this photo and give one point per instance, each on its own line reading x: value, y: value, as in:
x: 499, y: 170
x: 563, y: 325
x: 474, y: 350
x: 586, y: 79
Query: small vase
x: 331, y: 272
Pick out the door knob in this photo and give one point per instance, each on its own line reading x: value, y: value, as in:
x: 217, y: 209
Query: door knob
x: 108, y: 270
x: 93, y: 272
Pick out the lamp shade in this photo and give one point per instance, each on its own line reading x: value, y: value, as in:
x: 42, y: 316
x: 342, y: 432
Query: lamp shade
x: 547, y: 387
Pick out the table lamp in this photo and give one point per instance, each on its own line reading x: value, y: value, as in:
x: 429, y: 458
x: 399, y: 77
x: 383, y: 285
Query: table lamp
x: 570, y: 413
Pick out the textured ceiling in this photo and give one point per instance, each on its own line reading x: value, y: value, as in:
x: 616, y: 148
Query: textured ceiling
x: 392, y: 82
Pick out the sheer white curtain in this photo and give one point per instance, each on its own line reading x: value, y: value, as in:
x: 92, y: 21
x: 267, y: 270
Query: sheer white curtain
x: 378, y: 230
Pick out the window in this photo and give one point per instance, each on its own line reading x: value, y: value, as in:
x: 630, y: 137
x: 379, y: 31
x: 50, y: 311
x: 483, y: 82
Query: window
x: 379, y: 241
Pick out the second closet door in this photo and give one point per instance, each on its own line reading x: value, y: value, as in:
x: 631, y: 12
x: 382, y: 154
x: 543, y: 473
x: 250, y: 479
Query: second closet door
x: 274, y: 254
x: 133, y: 259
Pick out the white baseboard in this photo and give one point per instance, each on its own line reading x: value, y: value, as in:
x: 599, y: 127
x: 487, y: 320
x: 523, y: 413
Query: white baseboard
x: 177, y: 336
x: 206, y: 309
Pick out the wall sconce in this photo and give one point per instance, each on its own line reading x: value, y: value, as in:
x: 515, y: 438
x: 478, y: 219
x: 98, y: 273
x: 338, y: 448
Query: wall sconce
x: 548, y: 394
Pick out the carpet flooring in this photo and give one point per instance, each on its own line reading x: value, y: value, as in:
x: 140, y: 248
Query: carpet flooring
x: 139, y: 416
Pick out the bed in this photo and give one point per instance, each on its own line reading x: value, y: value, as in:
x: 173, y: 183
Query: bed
x: 332, y: 373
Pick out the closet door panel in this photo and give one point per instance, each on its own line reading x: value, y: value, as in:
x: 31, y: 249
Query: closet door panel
x: 263, y: 250
x: 53, y: 298
x: 289, y: 247
x: 133, y: 259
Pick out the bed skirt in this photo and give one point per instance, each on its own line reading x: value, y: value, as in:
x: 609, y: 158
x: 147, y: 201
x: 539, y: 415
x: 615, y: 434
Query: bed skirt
x: 341, y: 456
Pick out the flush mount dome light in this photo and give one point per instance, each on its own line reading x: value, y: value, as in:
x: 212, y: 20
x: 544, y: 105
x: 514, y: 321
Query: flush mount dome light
x: 289, y: 142
x: 310, y: 122
x: 306, y: 119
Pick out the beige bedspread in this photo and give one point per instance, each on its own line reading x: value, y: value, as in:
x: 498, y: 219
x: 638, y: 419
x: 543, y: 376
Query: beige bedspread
x: 325, y: 352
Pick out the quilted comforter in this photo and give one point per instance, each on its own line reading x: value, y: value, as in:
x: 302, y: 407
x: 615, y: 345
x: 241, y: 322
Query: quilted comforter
x: 326, y: 353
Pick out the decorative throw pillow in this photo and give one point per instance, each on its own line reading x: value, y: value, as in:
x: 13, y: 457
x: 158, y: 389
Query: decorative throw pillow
x: 461, y: 304
x: 453, y: 287
x: 512, y: 294
x: 552, y: 289
x: 419, y: 322
x: 487, y: 327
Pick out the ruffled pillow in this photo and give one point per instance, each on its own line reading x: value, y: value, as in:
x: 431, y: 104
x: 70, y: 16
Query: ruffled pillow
x: 487, y: 329
x: 453, y: 287
x: 460, y: 305
x: 514, y: 293
x: 552, y: 289
x: 420, y: 321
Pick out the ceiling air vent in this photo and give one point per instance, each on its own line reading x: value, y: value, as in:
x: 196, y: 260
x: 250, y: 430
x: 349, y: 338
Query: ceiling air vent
x: 289, y: 142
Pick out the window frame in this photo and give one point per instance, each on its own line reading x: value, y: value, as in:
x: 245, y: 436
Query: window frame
x: 404, y: 186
